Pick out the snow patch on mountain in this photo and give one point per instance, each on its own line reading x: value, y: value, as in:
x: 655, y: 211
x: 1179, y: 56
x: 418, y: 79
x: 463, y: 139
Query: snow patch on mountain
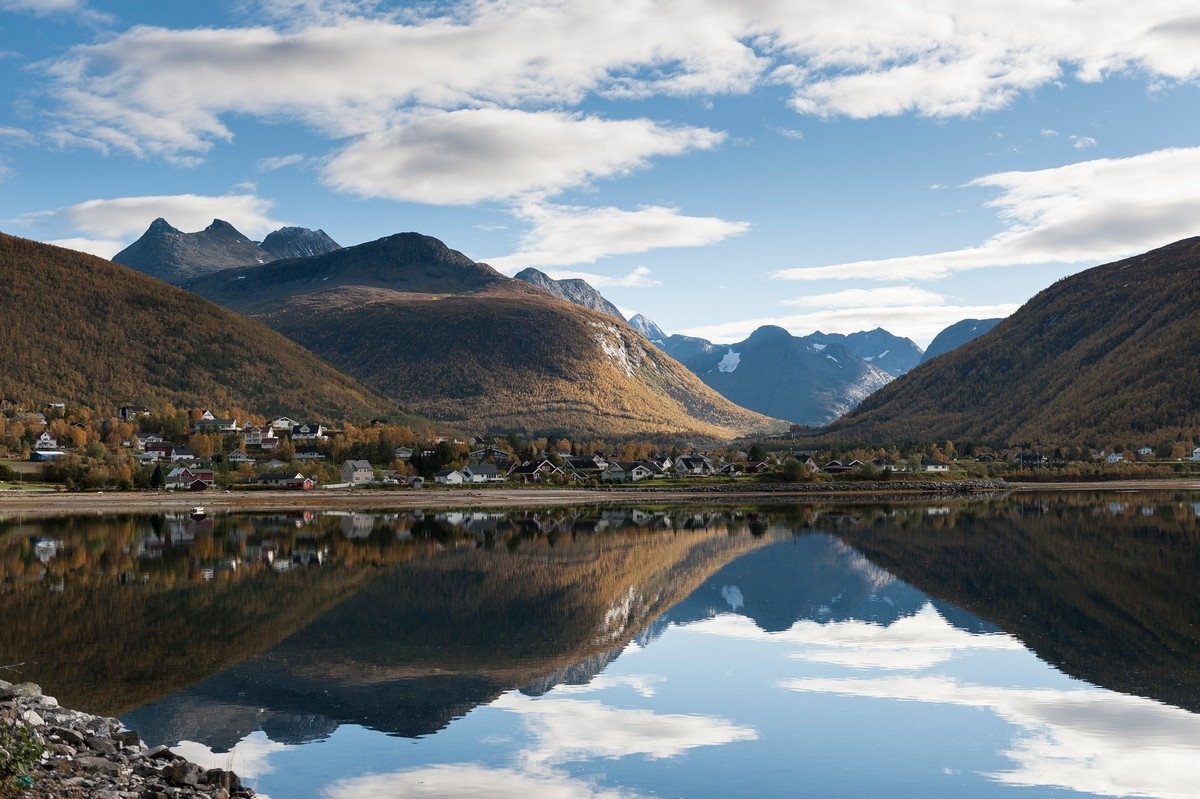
x: 729, y: 362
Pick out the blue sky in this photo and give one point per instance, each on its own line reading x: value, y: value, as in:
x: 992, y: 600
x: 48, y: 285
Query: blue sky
x: 817, y: 164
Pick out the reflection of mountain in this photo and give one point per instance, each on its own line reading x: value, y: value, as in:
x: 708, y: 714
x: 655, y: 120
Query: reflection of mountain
x: 809, y: 577
x: 437, y: 636
x: 1108, y: 592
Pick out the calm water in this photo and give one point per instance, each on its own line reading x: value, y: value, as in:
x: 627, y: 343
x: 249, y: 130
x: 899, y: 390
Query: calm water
x: 1043, y: 647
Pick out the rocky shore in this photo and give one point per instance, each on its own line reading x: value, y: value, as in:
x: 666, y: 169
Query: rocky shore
x: 94, y: 757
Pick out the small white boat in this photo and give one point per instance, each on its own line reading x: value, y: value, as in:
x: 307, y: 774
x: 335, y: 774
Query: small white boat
x: 198, y: 512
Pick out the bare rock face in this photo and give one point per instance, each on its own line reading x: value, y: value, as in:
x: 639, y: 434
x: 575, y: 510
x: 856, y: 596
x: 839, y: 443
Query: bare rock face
x: 92, y: 756
x: 574, y: 290
x: 298, y: 242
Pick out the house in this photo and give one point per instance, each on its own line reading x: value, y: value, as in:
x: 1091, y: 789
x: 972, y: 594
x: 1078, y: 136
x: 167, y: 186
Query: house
x: 534, y: 471
x: 1196, y: 454
x: 630, y: 472
x: 163, y: 449
x: 484, y: 453
x: 482, y: 473
x: 239, y: 457
x: 182, y: 454
x: 1144, y: 451
x: 45, y: 442
x: 934, y: 466
x: 289, y: 480
x: 449, y: 477
x: 309, y: 431
x: 308, y: 454
x: 694, y: 465
x: 283, y: 424
x: 127, y: 413
x: 252, y: 434
x: 1114, y: 457
x: 184, y: 478
x: 358, y: 472
x: 208, y: 423
x: 403, y: 453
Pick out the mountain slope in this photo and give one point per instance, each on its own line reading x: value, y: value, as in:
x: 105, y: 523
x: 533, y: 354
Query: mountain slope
x: 574, y: 290
x: 958, y: 334
x: 458, y: 341
x: 1105, y: 356
x: 113, y: 335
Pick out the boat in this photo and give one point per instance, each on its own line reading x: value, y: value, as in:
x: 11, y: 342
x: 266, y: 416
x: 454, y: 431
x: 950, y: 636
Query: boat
x: 198, y: 512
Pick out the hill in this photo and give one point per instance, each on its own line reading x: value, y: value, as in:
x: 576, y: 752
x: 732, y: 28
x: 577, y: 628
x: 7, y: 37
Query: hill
x: 459, y: 342
x: 809, y: 380
x: 574, y: 290
x: 106, y: 335
x: 957, y: 335
x: 1107, y: 356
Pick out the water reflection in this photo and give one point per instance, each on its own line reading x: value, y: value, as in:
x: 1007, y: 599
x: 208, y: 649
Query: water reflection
x: 854, y: 650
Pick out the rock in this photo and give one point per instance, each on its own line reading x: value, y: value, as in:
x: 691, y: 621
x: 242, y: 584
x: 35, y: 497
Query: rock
x: 32, y: 718
x: 67, y: 736
x: 182, y: 773
x: 127, y: 738
x: 101, y: 745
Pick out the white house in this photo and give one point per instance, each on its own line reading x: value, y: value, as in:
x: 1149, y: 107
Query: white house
x: 357, y: 472
x: 449, y: 477
x: 45, y: 442
x: 481, y: 473
x: 1115, y: 457
x: 1196, y: 454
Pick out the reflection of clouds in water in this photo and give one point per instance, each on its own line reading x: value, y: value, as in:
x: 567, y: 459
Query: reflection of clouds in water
x: 912, y: 642
x: 571, y: 729
x: 249, y: 758
x: 563, y: 730
x: 645, y: 685
x: 467, y: 781
x: 1088, y: 739
x: 733, y: 596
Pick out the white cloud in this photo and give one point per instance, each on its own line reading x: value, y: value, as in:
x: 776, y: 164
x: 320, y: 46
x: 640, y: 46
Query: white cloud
x: 1082, y: 142
x: 348, y: 73
x: 279, y: 162
x: 569, y: 729
x: 1049, y: 132
x: 468, y: 781
x: 870, y: 298
x: 250, y: 757
x: 104, y: 248
x: 637, y: 278
x: 1092, y: 211
x: 126, y: 218
x: 464, y: 157
x: 562, y: 235
x: 1087, y: 740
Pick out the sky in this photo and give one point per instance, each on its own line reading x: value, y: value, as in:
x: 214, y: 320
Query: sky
x: 833, y: 165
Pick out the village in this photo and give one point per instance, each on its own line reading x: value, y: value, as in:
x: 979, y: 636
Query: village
x: 199, y: 450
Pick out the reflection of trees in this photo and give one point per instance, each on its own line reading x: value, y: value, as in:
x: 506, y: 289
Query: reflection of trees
x: 1105, y: 587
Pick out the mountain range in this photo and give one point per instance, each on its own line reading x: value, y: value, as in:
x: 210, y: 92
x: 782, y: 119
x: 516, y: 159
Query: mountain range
x: 462, y: 344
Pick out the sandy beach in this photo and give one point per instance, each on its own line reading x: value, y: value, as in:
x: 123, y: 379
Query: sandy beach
x: 40, y: 503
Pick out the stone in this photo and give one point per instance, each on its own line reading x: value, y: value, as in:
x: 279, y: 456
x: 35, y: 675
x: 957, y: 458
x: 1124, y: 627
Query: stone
x: 101, y: 745
x: 32, y: 718
x: 98, y: 764
x: 182, y: 773
x: 67, y: 736
x: 127, y: 738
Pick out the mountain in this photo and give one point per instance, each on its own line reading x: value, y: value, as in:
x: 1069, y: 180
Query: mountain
x: 1105, y: 357
x: 958, y: 334
x: 652, y: 332
x: 298, y: 242
x: 781, y: 375
x: 574, y: 290
x: 457, y: 341
x: 177, y: 257
x: 888, y: 352
x: 107, y: 335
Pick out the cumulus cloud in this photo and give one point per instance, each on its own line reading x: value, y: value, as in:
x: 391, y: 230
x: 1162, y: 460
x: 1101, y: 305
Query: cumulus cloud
x: 279, y: 162
x: 562, y: 235
x: 464, y: 157
x: 1082, y: 142
x: 1092, y: 211
x: 348, y: 69
x: 109, y: 222
x: 637, y: 278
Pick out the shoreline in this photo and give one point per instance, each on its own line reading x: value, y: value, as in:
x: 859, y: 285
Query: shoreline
x: 54, y: 503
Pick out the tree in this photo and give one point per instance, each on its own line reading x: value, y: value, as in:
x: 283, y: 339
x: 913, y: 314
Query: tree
x: 157, y: 478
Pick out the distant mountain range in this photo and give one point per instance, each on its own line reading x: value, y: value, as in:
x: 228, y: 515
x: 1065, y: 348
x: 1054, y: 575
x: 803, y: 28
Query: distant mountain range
x: 574, y: 290
x: 1106, y: 357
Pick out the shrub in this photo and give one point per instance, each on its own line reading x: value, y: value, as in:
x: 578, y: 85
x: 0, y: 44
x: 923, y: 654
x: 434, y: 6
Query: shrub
x: 20, y: 750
